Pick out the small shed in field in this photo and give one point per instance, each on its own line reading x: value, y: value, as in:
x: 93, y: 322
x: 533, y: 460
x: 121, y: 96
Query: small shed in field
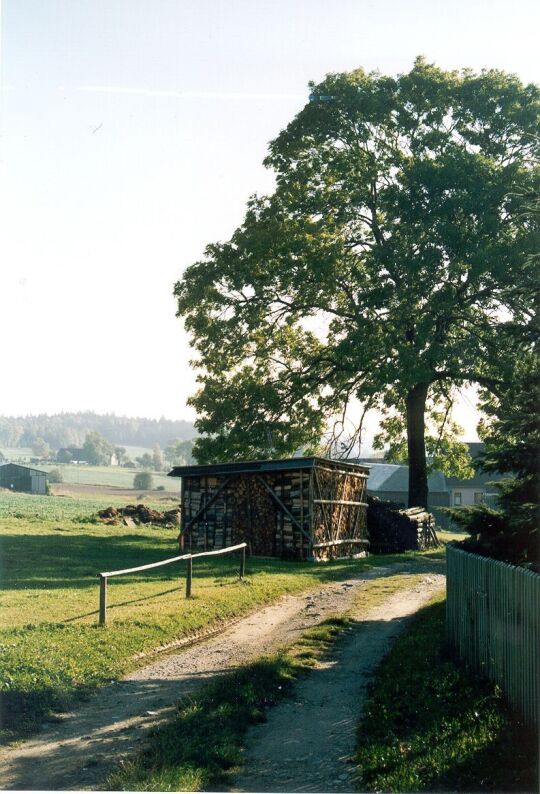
x: 23, y: 478
x: 298, y: 508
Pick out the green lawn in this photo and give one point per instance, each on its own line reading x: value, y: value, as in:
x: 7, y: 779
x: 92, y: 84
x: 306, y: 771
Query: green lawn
x: 51, y: 551
x: 429, y: 725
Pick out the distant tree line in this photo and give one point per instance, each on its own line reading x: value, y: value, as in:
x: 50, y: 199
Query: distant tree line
x: 71, y: 429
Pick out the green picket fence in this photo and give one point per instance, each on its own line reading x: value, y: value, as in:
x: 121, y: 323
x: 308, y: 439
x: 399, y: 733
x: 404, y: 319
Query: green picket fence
x: 493, y: 621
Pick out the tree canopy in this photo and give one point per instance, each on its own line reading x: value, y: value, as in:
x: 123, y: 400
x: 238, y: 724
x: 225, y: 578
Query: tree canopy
x: 512, y: 435
x: 179, y: 453
x: 97, y: 449
x: 381, y: 268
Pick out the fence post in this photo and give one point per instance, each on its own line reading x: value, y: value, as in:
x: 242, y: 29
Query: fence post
x: 102, y: 600
x: 242, y: 562
x: 189, y: 576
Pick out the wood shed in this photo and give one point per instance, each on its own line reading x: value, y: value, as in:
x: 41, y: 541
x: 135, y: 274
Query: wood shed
x: 298, y: 508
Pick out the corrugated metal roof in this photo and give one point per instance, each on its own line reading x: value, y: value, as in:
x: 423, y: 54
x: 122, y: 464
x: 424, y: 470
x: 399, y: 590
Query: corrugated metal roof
x: 5, y: 466
x: 244, y: 467
x: 392, y: 477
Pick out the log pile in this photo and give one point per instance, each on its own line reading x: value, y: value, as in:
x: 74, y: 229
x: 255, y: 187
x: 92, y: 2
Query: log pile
x: 280, y: 513
x: 393, y: 529
x: 253, y: 516
x: 339, y: 512
x: 213, y: 529
x: 139, y: 514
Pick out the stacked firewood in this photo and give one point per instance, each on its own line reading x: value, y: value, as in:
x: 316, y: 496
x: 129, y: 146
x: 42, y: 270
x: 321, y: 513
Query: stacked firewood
x: 245, y: 510
x: 254, y: 515
x: 393, y: 529
x: 214, y: 527
x: 293, y: 490
x: 337, y: 520
x: 279, y: 513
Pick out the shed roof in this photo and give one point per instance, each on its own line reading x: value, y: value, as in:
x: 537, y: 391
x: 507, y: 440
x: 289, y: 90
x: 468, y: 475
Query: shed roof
x: 392, y: 477
x: 257, y: 466
x: 4, y: 467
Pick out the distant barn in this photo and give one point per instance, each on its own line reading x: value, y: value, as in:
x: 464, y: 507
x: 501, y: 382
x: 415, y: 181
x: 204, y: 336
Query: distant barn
x: 298, y: 508
x: 22, y: 478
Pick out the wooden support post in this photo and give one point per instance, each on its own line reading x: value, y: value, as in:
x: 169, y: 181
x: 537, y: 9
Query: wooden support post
x: 242, y: 562
x: 189, y: 576
x: 302, y: 513
x: 181, y: 534
x: 250, y: 513
x: 281, y: 519
x: 206, y: 513
x: 102, y: 600
x: 311, y: 510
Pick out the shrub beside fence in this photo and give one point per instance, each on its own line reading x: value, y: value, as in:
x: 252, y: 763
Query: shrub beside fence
x: 493, y: 621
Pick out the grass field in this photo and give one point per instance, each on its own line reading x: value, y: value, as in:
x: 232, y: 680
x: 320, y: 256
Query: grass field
x: 79, y: 509
x: 17, y: 453
x: 51, y: 550
x: 429, y: 725
x: 109, y: 475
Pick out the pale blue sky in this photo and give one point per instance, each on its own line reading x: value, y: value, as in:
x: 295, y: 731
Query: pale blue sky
x: 132, y: 134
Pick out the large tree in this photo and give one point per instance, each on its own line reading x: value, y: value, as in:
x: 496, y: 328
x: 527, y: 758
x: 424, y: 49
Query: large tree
x: 179, y: 453
x: 380, y: 269
x: 509, y: 531
x: 97, y: 449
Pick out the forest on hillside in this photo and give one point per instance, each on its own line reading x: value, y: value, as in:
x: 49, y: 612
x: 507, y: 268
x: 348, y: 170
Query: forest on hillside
x: 70, y: 429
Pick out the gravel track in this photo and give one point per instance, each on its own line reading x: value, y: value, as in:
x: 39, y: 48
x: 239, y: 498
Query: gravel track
x: 79, y: 751
x: 308, y: 741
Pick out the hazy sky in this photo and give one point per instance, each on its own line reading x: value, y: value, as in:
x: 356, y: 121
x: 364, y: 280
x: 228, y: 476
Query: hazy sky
x: 132, y: 134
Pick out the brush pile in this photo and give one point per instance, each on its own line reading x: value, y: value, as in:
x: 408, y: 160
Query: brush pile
x: 139, y: 514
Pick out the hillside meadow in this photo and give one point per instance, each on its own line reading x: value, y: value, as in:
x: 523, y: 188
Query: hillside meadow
x: 52, y: 550
x: 108, y: 475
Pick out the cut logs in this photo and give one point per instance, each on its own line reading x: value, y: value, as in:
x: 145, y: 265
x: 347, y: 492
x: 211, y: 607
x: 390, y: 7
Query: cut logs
x: 393, y: 529
x: 293, y: 509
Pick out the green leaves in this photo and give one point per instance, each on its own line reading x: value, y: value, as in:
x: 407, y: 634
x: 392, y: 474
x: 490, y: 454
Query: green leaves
x: 385, y: 258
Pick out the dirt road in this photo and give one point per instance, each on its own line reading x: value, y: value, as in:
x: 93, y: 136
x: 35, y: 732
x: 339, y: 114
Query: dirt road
x: 78, y: 752
x: 307, y: 742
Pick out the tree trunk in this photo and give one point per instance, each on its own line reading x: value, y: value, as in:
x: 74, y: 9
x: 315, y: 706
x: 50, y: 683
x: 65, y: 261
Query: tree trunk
x: 418, y: 483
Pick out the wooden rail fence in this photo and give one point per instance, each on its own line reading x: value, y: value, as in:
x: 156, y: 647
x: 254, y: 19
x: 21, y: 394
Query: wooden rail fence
x: 106, y: 575
x: 493, y: 621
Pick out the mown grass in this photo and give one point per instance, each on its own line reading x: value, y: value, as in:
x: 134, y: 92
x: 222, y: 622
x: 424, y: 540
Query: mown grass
x: 202, y: 746
x: 50, y: 647
x: 430, y: 725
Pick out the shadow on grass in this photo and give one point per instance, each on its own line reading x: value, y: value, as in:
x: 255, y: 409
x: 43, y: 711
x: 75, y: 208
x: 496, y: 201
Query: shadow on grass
x: 207, y: 730
x: 62, y: 561
x: 430, y: 724
x: 111, y: 607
